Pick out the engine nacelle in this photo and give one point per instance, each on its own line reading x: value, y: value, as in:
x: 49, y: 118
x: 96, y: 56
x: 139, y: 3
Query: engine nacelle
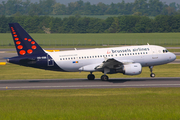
x: 132, y: 69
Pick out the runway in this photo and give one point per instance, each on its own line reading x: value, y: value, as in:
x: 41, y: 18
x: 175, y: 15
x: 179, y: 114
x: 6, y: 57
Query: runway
x: 83, y: 83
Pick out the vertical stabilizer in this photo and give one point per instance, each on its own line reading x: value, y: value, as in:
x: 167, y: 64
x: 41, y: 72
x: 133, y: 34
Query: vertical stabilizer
x: 25, y: 44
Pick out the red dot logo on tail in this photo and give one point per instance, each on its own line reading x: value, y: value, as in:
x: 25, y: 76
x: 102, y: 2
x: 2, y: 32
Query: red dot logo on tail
x: 34, y: 47
x: 29, y: 51
x: 20, y: 47
x: 22, y: 52
x: 16, y: 39
x: 32, y: 42
x: 18, y: 42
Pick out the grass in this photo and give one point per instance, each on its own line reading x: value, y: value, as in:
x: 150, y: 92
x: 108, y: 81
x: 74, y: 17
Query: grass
x: 91, y: 104
x: 14, y: 72
x: 170, y: 39
x: 174, y: 50
x: 177, y: 57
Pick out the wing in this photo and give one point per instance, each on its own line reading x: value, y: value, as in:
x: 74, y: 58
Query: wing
x: 106, y: 65
x: 113, y: 63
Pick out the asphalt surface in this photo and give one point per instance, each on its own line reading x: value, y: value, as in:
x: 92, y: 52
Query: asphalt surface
x: 84, y: 84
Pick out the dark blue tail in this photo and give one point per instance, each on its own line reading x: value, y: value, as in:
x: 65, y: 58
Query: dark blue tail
x: 25, y: 44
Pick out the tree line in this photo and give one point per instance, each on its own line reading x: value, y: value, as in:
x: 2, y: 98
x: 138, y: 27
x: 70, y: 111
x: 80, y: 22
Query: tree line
x: 78, y: 24
x: 51, y: 7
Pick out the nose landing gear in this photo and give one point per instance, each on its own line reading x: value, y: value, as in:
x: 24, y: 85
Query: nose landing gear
x: 152, y: 74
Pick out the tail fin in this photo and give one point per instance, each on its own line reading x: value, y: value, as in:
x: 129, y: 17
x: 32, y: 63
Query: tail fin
x: 25, y: 44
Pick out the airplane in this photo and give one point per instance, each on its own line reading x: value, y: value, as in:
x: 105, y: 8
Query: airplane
x: 127, y: 60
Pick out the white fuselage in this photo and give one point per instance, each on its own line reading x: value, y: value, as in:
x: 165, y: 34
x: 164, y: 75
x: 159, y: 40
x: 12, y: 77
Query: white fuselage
x: 146, y: 55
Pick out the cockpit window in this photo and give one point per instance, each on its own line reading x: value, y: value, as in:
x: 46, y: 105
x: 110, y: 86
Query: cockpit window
x: 165, y: 51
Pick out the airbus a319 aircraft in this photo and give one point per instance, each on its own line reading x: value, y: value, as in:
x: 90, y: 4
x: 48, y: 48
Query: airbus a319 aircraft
x: 128, y: 60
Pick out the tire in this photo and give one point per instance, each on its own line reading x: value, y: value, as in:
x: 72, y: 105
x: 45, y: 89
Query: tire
x: 152, y: 75
x: 104, y: 78
x: 91, y: 77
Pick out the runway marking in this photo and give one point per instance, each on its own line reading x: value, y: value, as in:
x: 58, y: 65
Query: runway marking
x: 89, y: 86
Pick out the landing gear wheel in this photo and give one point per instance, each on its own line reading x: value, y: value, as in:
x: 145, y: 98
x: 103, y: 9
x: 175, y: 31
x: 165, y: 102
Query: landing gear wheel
x: 104, y: 78
x: 91, y: 77
x: 152, y: 75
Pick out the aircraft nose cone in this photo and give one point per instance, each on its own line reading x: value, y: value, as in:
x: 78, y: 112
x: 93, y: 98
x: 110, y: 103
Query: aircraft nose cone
x: 172, y: 57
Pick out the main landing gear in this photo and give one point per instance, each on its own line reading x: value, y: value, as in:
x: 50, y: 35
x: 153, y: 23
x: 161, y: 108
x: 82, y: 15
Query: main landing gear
x: 104, y: 78
x: 152, y: 74
x: 91, y: 76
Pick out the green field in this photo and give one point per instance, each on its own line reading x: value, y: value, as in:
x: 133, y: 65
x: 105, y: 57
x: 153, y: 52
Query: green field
x: 15, y: 72
x: 93, y: 16
x: 177, y: 57
x: 91, y: 104
x: 101, y: 39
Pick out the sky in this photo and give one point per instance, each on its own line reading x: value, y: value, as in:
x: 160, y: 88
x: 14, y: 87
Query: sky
x: 103, y: 1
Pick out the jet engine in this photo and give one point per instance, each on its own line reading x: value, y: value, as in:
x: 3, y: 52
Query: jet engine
x: 132, y: 69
